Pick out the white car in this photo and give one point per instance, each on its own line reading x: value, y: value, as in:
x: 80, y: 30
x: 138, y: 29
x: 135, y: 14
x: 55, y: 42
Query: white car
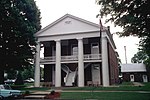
x: 29, y: 80
x: 6, y: 92
x: 10, y: 81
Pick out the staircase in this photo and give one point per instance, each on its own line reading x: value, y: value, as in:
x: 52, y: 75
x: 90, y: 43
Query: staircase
x: 70, y: 75
x: 69, y: 79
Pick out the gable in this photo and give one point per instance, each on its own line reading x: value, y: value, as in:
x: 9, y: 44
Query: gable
x: 68, y: 24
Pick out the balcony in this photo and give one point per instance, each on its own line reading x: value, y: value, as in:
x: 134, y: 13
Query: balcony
x: 71, y: 58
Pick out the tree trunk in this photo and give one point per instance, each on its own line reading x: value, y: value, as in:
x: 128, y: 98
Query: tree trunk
x: 1, y: 76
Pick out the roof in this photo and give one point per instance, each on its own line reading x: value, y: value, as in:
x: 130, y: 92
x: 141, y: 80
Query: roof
x: 69, y: 24
x: 134, y: 67
x: 62, y: 18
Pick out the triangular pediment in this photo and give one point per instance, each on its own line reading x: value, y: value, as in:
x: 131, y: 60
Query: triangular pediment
x: 66, y: 25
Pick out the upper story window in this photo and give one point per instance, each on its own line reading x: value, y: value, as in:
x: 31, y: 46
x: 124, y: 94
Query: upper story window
x: 94, y: 48
x: 74, y: 50
x: 53, y: 51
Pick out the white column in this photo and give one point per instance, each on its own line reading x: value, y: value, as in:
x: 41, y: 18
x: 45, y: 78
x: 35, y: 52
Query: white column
x: 105, y: 69
x: 58, y: 64
x: 80, y: 63
x: 37, y: 66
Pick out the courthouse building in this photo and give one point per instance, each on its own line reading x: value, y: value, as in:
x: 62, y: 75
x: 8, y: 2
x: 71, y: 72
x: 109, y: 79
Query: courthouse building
x: 76, y: 53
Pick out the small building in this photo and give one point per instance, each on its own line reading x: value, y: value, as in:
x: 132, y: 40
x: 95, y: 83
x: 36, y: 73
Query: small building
x: 76, y: 53
x: 135, y: 72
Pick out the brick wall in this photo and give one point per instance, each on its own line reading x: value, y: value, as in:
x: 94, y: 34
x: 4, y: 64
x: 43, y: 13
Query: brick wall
x: 113, y: 65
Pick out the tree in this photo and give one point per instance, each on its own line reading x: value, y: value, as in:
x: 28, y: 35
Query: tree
x: 11, y: 74
x: 19, y: 20
x: 139, y: 57
x: 133, y: 16
x: 28, y: 72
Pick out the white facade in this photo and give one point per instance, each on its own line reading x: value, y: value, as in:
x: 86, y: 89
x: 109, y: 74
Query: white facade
x: 66, y: 28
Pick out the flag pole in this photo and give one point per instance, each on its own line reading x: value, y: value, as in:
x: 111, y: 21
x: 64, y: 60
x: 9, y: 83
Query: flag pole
x: 100, y: 32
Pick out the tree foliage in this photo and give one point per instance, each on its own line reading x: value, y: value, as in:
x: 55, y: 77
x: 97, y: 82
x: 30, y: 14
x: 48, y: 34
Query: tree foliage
x: 19, y: 20
x: 139, y: 57
x: 28, y: 72
x: 132, y: 15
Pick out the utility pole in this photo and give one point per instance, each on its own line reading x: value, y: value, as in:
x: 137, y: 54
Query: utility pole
x: 125, y: 54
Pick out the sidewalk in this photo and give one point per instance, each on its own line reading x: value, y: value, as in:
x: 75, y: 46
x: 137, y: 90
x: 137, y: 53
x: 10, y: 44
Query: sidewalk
x: 137, y: 84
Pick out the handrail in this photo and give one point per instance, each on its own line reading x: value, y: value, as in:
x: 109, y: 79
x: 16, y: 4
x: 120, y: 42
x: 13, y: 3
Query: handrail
x: 67, y: 73
x: 51, y: 59
x: 92, y: 56
x: 75, y: 73
x: 71, y: 57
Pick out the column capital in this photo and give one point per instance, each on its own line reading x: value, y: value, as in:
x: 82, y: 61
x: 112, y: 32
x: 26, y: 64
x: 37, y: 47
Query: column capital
x: 38, y: 42
x: 57, y: 40
x: 80, y: 38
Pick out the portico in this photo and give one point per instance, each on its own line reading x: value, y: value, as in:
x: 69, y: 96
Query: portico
x: 71, y: 47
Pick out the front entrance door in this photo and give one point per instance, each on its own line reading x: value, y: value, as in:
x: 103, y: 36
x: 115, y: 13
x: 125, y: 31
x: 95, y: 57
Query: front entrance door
x: 132, y: 78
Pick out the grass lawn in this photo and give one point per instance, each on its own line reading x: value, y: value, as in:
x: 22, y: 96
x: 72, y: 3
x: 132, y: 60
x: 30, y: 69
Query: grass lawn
x: 105, y: 95
x: 127, y: 92
x: 108, y: 94
x: 123, y: 87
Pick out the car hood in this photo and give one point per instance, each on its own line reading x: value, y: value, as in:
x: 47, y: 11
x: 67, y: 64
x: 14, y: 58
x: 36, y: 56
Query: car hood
x: 15, y: 91
x: 7, y: 90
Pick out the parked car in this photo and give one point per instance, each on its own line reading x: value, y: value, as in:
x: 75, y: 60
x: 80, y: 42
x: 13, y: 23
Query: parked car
x: 29, y: 80
x: 6, y: 92
x: 10, y: 81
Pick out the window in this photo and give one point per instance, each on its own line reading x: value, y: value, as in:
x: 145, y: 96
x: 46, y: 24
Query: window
x: 74, y: 50
x: 94, y: 48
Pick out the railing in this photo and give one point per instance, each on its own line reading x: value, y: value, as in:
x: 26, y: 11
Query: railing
x: 48, y: 59
x: 72, y: 58
x: 69, y: 58
x: 92, y: 56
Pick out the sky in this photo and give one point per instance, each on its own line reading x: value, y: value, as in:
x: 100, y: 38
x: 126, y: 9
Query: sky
x: 52, y: 10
